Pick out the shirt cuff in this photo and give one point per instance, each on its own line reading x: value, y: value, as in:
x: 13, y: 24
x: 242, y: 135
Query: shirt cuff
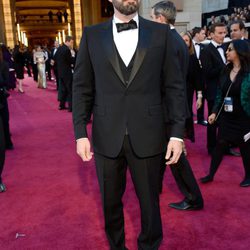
x: 176, y: 139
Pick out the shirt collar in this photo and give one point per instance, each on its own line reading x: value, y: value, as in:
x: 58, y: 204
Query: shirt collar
x: 215, y: 43
x: 135, y: 18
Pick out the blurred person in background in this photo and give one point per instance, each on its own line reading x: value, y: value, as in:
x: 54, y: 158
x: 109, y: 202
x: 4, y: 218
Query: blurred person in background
x: 19, y: 61
x: 40, y: 58
x: 4, y: 76
x: 193, y: 85
x: 232, y: 108
x: 7, y: 57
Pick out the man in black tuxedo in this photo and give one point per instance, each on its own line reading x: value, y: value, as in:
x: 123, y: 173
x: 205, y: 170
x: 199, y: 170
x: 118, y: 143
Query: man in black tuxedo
x: 199, y: 36
x: 213, y: 61
x: 165, y: 12
x: 64, y: 61
x: 123, y: 69
x: 53, y: 62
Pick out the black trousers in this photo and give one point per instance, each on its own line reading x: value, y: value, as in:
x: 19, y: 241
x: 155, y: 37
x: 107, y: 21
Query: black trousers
x: 35, y: 72
x: 218, y: 153
x: 211, y: 130
x: 56, y: 76
x: 2, y: 147
x: 4, y: 113
x: 65, y: 91
x: 185, y: 179
x: 111, y: 174
x: 200, y: 111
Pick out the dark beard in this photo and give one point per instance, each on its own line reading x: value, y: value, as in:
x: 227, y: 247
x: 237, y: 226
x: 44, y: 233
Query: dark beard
x: 127, y: 10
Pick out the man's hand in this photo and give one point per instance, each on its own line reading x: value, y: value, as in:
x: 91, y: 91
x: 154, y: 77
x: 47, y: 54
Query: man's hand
x: 199, y: 103
x: 83, y: 149
x: 174, y: 151
x: 211, y: 118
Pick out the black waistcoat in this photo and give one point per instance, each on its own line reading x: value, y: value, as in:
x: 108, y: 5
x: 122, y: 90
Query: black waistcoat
x: 126, y: 70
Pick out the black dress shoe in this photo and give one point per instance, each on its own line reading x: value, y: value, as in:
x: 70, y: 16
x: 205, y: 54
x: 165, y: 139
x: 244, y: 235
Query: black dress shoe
x: 203, y: 123
x: 61, y: 108
x: 245, y: 183
x: 2, y: 187
x: 233, y: 153
x: 185, y: 205
x: 9, y: 147
x: 206, y: 179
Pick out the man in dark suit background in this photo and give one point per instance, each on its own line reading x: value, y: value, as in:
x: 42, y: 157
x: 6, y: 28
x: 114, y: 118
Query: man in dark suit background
x: 53, y: 62
x: 199, y: 36
x: 64, y: 61
x: 122, y: 69
x: 165, y: 12
x: 238, y: 30
x: 213, y: 61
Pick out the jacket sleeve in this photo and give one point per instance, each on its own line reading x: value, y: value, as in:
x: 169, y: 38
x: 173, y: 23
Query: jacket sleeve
x: 219, y: 99
x: 83, y: 89
x: 174, y: 85
x: 208, y: 66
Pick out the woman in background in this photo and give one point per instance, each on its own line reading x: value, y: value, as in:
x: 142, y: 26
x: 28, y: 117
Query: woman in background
x: 232, y: 107
x: 191, y: 87
x: 19, y: 61
x: 40, y: 57
x: 7, y: 57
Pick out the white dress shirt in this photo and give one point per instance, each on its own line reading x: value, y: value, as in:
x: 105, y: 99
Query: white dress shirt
x: 220, y: 50
x: 197, y: 49
x: 126, y: 41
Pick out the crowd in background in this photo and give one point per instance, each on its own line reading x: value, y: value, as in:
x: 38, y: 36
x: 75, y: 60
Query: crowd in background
x: 55, y: 65
x: 234, y: 14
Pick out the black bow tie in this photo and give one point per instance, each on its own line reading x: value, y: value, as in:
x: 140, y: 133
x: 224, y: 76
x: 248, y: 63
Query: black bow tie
x: 219, y: 46
x: 126, y: 26
x: 198, y: 44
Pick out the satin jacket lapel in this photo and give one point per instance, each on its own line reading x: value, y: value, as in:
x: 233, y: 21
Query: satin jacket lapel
x: 143, y: 42
x: 110, y: 50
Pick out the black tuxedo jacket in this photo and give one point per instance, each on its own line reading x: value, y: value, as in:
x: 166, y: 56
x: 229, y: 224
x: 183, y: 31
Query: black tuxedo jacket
x: 53, y: 54
x: 212, y: 66
x: 195, y: 71
x: 64, y: 61
x: 136, y: 105
x: 183, y: 58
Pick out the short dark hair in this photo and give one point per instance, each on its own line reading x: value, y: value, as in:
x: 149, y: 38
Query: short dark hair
x: 196, y: 30
x: 241, y: 24
x: 166, y: 9
x: 68, y: 38
x: 213, y: 26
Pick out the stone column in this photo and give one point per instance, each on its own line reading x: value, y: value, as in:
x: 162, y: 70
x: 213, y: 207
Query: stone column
x: 2, y: 26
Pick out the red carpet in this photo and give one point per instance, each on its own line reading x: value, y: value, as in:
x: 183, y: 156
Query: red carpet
x: 53, y: 198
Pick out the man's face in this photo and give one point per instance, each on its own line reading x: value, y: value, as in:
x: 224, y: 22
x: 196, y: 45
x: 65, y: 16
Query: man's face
x: 201, y: 36
x: 235, y: 31
x: 70, y: 44
x: 56, y: 44
x: 126, y: 7
x: 219, y: 34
